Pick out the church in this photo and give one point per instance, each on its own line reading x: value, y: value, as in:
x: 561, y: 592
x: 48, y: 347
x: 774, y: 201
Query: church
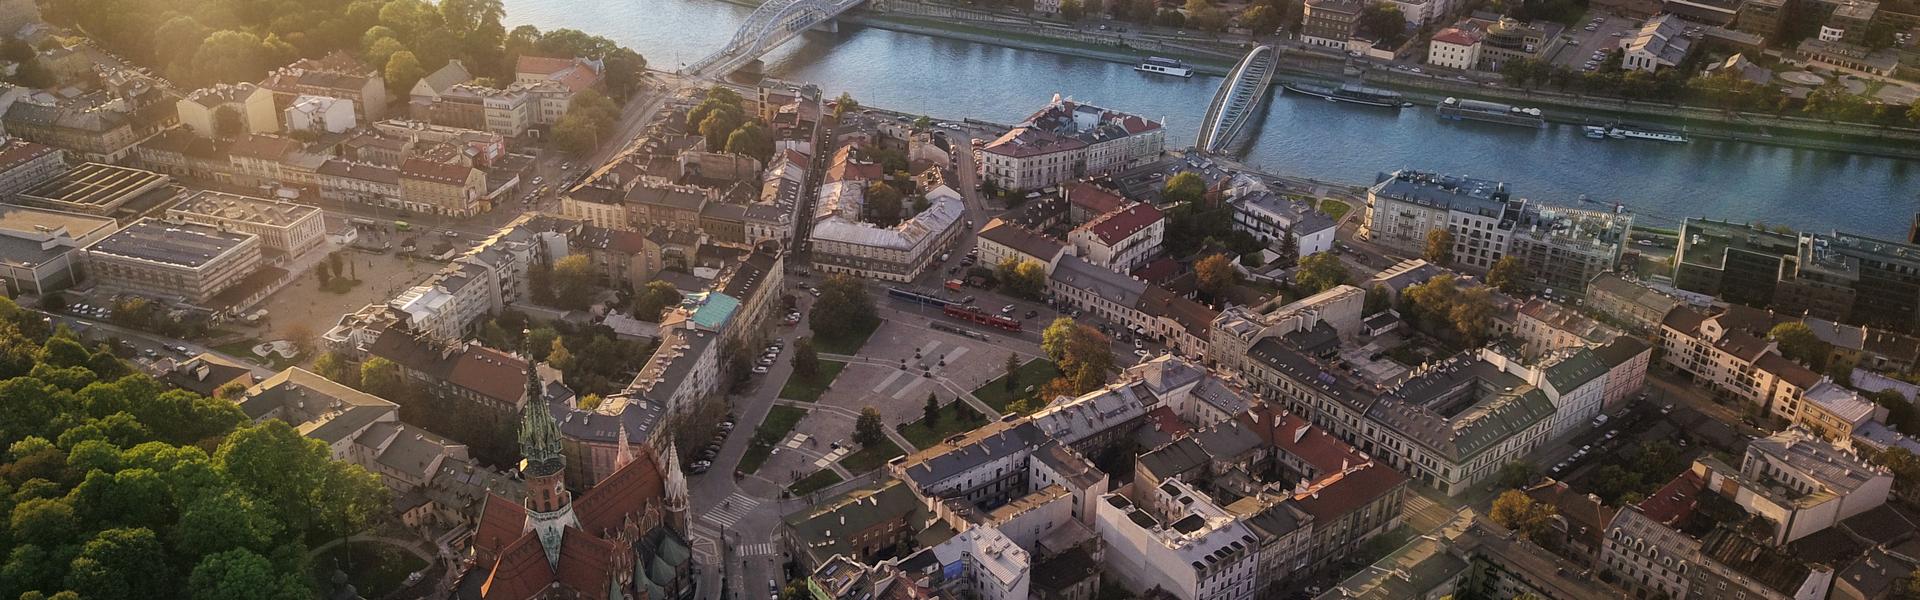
x: 624, y: 539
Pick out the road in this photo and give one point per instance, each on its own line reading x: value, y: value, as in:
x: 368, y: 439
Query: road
x: 142, y: 344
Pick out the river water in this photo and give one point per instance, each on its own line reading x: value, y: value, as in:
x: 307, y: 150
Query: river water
x: 1302, y: 136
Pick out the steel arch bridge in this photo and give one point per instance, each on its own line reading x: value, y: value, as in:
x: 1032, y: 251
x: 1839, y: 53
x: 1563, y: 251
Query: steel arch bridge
x: 1238, y: 98
x: 772, y: 24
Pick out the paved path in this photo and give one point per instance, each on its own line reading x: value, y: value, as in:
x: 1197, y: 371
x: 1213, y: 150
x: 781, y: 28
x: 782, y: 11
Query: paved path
x: 942, y: 381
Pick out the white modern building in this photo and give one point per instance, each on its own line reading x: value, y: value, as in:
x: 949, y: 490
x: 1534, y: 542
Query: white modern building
x: 1199, y: 553
x: 1271, y: 218
x: 320, y: 114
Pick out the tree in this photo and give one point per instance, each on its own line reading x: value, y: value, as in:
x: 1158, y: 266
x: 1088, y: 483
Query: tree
x: 1517, y: 512
x: 806, y: 362
x: 230, y: 55
x: 1261, y: 18
x: 337, y: 367
x: 559, y: 356
x: 573, y: 282
x: 844, y: 104
x: 1507, y: 275
x: 1289, y: 247
x: 403, y: 68
x: 844, y: 308
x: 243, y: 575
x: 1083, y: 355
x: 750, y: 139
x: 228, y: 123
x: 1797, y: 342
x: 231, y: 391
x: 1321, y: 272
x: 1514, y: 474
x: 883, y: 204
x: 1022, y: 278
x: 1012, y: 367
x: 654, y: 299
x: 122, y: 564
x: 381, y: 377
x: 1379, y: 299
x: 930, y: 414
x: 1383, y: 21
x: 867, y: 429
x: 1439, y: 248
x: 1072, y: 10
x: 1216, y: 274
x: 1185, y: 187
x: 48, y: 522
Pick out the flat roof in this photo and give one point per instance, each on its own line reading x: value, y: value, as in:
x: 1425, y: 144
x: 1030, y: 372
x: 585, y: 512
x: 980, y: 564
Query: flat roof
x: 95, y: 184
x: 180, y: 244
x: 249, y: 209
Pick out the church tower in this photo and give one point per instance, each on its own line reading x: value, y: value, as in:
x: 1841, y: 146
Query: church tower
x: 676, y: 491
x: 544, y: 464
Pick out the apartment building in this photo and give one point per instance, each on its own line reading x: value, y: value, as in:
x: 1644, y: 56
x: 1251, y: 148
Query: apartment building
x: 1630, y: 302
x: 1000, y: 240
x: 1146, y: 310
x: 1121, y: 240
x: 1798, y: 483
x: 1330, y: 23
x: 284, y: 228
x: 359, y: 183
x: 435, y: 188
x: 93, y: 127
x: 356, y: 427
x: 160, y: 259
x: 1561, y: 249
x: 24, y: 164
x: 1403, y: 206
x: 900, y: 253
x: 1271, y: 219
x: 1028, y: 158
x: 1542, y: 326
x: 1066, y: 140
x: 1658, y: 43
x: 1685, y: 541
x: 1454, y: 48
x: 1336, y: 311
x: 244, y: 112
x: 335, y: 75
x: 1200, y: 553
x: 1728, y: 353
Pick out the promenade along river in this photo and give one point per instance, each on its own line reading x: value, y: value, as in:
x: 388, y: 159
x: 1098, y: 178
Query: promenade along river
x: 1299, y: 135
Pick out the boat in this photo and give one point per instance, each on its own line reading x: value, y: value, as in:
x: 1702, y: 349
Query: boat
x: 1639, y: 132
x: 1164, y: 66
x: 1491, y: 112
x: 1595, y: 131
x: 1355, y: 94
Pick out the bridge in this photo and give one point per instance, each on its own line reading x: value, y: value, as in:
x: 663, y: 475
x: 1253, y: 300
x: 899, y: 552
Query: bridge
x: 771, y: 25
x: 1239, y: 97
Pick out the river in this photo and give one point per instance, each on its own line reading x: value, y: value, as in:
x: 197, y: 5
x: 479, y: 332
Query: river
x: 1806, y: 189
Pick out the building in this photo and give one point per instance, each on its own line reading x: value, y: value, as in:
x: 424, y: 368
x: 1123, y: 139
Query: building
x: 93, y: 127
x: 320, y: 114
x: 428, y: 89
x: 1729, y: 354
x: 1000, y: 240
x: 1798, y: 483
x: 859, y: 525
x: 205, y: 374
x: 1630, y: 302
x: 1201, y: 552
x: 1472, y: 557
x: 40, y: 250
x: 843, y: 244
x: 93, y: 189
x: 1686, y: 541
x: 1402, y: 207
x: 1561, y: 249
x: 24, y: 164
x: 335, y: 75
x: 626, y: 537
x: 576, y: 73
x: 356, y: 427
x: 160, y: 259
x: 1508, y: 40
x: 1454, y: 48
x: 228, y: 110
x: 1761, y: 17
x: 1271, y: 218
x: 684, y: 369
x: 1839, y: 276
x: 984, y: 564
x: 1421, y: 12
x: 1332, y: 313
x: 1067, y: 140
x: 359, y: 183
x: 1121, y: 240
x: 1542, y: 326
x: 1659, y: 43
x: 436, y: 188
x: 284, y: 228
x: 1329, y: 23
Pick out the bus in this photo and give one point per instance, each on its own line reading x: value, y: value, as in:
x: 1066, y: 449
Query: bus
x: 918, y: 297
x: 981, y: 317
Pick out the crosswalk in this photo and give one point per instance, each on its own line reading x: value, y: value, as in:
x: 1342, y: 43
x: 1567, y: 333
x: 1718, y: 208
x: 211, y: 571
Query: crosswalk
x: 760, y: 549
x: 731, y: 510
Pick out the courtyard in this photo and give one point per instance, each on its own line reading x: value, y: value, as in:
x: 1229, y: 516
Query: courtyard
x: 303, y: 304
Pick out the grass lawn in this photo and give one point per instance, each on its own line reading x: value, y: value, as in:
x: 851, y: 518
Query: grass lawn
x: 872, y: 457
x: 1334, y: 208
x: 778, y: 424
x: 843, y: 341
x: 812, y: 483
x: 1407, y: 355
x: 1035, y: 373
x: 955, y: 417
x: 375, y: 570
x: 808, y: 389
x: 243, y: 350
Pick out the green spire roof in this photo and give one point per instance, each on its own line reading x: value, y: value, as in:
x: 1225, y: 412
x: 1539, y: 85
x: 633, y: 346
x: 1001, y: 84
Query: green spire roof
x: 539, y: 433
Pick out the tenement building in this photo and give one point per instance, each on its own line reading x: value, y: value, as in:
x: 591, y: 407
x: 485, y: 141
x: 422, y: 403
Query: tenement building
x: 843, y: 243
x: 1067, y: 140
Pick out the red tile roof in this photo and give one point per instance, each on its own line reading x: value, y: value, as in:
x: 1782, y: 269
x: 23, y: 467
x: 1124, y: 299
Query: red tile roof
x: 1115, y: 227
x: 541, y: 65
x: 1134, y: 124
x: 502, y: 522
x: 1457, y: 37
x: 1787, y: 370
x: 521, y: 573
x: 18, y: 151
x: 1024, y: 142
x: 1314, y: 446
x: 1338, y: 494
x: 586, y: 564
x: 1095, y: 199
x: 587, y: 559
x: 1164, y: 420
x: 624, y: 493
x: 1675, y: 501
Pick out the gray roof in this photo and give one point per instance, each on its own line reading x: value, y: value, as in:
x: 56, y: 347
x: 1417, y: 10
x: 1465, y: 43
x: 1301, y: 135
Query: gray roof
x: 1277, y: 355
x: 1119, y: 288
x: 935, y: 467
x: 316, y: 406
x: 1465, y: 194
x: 180, y: 244
x: 1460, y: 408
x: 1575, y: 370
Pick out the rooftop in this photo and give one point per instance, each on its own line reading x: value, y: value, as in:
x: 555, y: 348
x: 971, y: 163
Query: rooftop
x: 95, y: 185
x: 247, y: 209
x: 176, y: 244
x: 1464, y: 194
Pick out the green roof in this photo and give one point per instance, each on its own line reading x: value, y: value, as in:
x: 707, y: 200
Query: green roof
x: 1575, y: 370
x: 848, y: 513
x: 712, y: 310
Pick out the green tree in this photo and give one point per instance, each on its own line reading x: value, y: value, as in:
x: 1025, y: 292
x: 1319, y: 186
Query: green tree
x: 403, y: 68
x: 1383, y: 21
x: 1185, y: 187
x: 1072, y: 10
x: 1514, y: 475
x: 1439, y: 248
x: 221, y: 520
x: 1022, y: 278
x: 1083, y: 354
x: 122, y: 564
x: 1216, y: 274
x: 381, y: 377
x: 573, y: 281
x: 1321, y: 272
x: 654, y: 300
x: 844, y: 308
x: 48, y: 522
x: 1507, y: 275
x: 806, y: 361
x: 1261, y: 18
x: 1012, y: 368
x: 1798, y: 342
x: 930, y: 413
x: 751, y: 139
x: 867, y: 430
x: 883, y: 205
x: 1379, y: 299
x: 230, y: 55
x: 243, y: 575
x: 559, y: 356
x: 337, y: 367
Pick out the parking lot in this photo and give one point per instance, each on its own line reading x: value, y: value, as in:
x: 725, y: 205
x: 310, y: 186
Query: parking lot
x: 1600, y: 33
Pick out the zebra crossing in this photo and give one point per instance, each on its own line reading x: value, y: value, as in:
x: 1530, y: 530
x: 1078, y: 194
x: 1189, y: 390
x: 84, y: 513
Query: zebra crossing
x: 760, y: 549
x: 730, y: 511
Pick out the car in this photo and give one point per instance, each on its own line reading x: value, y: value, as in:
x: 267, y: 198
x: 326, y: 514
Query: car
x: 1461, y: 77
x: 537, y: 180
x: 566, y: 166
x: 1644, y: 242
x: 1415, y: 70
x: 815, y: 291
x: 1139, y: 345
x: 1616, y: 34
x: 1007, y: 310
x: 150, y: 352
x: 1140, y: 353
x: 1590, y: 28
x: 181, y: 349
x: 1032, y: 313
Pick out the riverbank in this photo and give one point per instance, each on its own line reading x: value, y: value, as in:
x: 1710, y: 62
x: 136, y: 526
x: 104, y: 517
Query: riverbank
x: 1698, y: 122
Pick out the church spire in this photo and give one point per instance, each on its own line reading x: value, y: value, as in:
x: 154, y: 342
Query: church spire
x: 676, y: 490
x: 539, y: 434
x: 624, y: 454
